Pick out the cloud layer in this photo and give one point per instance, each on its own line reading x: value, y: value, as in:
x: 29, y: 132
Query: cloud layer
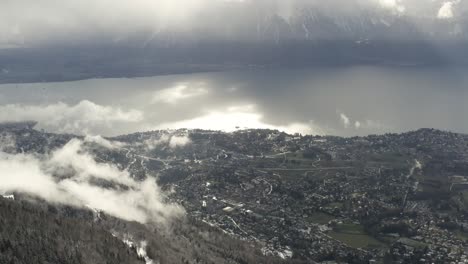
x: 85, y: 117
x: 28, y: 22
x: 68, y: 176
x: 167, y: 140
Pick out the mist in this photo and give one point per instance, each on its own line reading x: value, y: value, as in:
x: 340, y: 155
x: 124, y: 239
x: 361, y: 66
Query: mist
x: 83, y: 118
x: 375, y: 100
x: 32, y: 23
x: 68, y: 176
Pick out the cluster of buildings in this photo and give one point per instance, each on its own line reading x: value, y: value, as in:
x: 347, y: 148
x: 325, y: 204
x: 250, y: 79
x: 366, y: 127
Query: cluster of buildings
x: 394, y: 197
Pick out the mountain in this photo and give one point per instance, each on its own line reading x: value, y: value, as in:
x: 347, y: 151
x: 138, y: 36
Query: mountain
x: 35, y: 232
x: 263, y: 196
x: 30, y: 234
x: 242, y: 36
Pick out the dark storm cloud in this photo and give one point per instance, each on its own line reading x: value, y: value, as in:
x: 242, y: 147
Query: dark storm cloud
x: 29, y: 22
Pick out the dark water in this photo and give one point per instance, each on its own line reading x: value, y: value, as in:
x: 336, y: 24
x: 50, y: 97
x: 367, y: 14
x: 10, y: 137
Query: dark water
x: 341, y: 101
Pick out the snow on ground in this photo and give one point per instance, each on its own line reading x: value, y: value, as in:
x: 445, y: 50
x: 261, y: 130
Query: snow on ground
x: 10, y: 197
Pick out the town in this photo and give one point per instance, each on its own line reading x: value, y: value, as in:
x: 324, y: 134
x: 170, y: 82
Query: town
x: 393, y: 198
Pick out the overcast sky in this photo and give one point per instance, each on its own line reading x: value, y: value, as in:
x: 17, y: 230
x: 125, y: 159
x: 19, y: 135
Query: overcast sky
x: 37, y: 21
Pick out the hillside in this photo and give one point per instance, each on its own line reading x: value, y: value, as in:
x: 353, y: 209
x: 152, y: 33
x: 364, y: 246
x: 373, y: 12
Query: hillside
x: 260, y: 196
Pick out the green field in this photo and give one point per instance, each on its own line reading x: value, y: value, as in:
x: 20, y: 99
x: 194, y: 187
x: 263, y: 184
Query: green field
x: 354, y: 236
x: 463, y: 235
x: 320, y: 218
x: 335, y: 205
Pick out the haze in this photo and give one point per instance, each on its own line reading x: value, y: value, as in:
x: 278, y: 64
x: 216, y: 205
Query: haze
x: 338, y: 101
x: 50, y: 22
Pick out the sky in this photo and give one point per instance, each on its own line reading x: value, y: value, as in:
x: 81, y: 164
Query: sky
x: 31, y: 22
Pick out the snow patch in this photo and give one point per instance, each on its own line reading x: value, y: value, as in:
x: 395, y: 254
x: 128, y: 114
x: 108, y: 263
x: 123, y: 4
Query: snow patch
x: 9, y: 197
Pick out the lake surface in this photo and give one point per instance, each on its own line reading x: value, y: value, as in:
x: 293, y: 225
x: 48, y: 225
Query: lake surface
x: 340, y: 101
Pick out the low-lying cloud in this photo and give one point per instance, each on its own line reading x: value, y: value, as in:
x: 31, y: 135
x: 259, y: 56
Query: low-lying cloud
x: 167, y: 140
x: 83, y: 118
x: 345, y: 120
x: 90, y: 119
x: 99, y: 140
x: 349, y: 123
x: 69, y: 176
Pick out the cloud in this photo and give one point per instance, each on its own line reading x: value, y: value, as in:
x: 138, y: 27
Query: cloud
x: 154, y: 142
x: 178, y: 93
x: 66, y: 176
x: 394, y: 5
x: 373, y: 125
x: 27, y: 22
x: 446, y: 10
x: 368, y: 124
x: 345, y: 120
x: 168, y: 140
x: 357, y: 124
x: 83, y: 118
x: 141, y: 250
x: 104, y: 142
x: 179, y: 141
x: 242, y: 117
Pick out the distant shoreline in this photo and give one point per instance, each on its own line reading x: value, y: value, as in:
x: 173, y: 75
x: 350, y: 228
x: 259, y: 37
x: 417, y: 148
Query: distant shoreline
x: 50, y: 77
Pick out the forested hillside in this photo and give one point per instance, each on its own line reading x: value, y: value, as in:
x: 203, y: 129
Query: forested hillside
x: 29, y: 234
x: 41, y: 233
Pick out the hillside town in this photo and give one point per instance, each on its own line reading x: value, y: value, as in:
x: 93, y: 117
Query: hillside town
x: 393, y: 198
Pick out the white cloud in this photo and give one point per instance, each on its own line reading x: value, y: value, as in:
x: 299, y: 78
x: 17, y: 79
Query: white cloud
x: 84, y: 167
x: 179, y: 141
x: 104, y: 142
x: 367, y: 124
x: 83, y: 118
x: 172, y: 141
x: 345, y: 120
x: 357, y: 124
x: 141, y: 250
x: 153, y: 142
x: 394, y: 5
x: 235, y: 117
x: 446, y: 10
x: 139, y: 201
x: 178, y: 93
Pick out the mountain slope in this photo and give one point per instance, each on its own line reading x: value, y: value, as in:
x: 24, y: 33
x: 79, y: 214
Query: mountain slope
x: 29, y: 234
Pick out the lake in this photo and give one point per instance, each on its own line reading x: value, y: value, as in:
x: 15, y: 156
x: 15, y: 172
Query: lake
x: 343, y: 101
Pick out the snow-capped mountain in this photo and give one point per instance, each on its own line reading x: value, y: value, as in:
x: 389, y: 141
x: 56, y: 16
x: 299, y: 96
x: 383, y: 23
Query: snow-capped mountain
x: 252, y: 24
x: 241, y: 34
